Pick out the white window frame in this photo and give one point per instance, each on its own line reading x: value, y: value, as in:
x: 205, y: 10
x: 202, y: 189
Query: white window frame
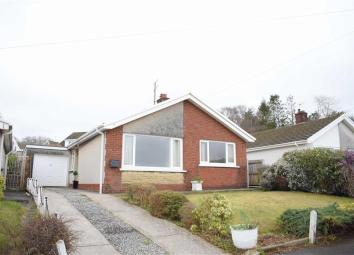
x: 132, y: 167
x: 211, y: 164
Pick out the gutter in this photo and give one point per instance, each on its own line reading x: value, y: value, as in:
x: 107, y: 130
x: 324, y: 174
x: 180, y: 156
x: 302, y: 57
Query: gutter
x: 280, y: 145
x: 86, y: 136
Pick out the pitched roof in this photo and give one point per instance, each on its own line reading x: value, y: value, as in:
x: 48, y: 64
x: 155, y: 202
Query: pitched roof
x: 74, y: 135
x: 191, y: 98
x: 299, y: 132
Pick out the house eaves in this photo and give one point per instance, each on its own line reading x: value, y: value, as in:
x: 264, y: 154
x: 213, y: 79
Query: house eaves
x: 191, y: 98
x: 343, y: 117
x: 276, y: 146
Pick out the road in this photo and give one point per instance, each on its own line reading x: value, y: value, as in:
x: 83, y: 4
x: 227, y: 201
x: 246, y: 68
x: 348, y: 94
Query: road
x: 343, y: 246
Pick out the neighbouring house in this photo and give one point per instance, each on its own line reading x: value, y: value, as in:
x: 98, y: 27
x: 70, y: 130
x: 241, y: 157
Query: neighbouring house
x: 166, y: 145
x: 336, y: 132
x: 6, y: 144
x: 71, y: 138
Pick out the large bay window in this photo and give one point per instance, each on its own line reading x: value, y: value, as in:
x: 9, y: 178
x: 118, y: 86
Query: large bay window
x: 148, y: 152
x: 219, y: 154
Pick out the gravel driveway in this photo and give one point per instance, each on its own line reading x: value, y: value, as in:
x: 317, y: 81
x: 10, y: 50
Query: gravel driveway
x: 122, y: 236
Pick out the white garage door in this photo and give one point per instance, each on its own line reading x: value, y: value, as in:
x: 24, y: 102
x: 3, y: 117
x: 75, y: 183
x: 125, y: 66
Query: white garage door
x: 50, y: 170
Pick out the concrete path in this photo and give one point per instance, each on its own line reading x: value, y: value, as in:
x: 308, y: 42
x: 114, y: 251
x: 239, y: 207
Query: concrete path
x: 91, y: 241
x: 123, y: 237
x: 174, y: 239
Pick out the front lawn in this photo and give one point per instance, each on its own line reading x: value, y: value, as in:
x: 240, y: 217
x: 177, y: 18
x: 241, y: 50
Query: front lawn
x: 264, y: 207
x: 10, y: 226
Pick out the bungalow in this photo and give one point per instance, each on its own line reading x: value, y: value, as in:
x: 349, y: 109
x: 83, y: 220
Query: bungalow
x: 336, y: 132
x: 166, y: 145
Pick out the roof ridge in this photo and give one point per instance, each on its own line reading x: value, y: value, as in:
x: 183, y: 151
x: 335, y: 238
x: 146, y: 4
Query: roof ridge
x: 299, y: 124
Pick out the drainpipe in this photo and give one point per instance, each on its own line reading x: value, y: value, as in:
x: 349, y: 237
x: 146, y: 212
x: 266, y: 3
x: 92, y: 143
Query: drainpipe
x: 102, y: 159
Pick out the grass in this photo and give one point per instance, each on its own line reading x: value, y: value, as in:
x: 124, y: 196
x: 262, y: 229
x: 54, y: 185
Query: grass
x: 10, y: 225
x: 264, y: 207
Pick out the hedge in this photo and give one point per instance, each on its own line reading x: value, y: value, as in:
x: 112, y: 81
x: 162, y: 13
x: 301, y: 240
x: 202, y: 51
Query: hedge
x: 312, y: 170
x: 166, y: 204
x: 330, y: 220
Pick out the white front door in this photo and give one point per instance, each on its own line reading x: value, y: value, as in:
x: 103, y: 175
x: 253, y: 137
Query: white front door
x: 50, y: 170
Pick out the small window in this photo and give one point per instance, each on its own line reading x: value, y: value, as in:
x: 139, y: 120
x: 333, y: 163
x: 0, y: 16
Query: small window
x: 215, y: 153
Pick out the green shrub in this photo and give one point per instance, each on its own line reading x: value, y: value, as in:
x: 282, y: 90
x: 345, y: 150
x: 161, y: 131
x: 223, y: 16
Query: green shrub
x: 166, y: 204
x: 213, y: 215
x: 315, y: 170
x: 331, y: 220
x: 186, y: 214
x: 2, y: 184
x: 273, y: 177
x: 139, y: 193
x: 312, y: 170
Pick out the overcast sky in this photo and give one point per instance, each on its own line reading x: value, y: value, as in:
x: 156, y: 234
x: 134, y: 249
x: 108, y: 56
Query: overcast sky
x: 71, y: 65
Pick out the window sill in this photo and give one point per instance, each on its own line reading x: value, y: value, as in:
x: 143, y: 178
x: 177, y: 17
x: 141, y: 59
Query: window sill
x: 152, y: 169
x: 218, y: 165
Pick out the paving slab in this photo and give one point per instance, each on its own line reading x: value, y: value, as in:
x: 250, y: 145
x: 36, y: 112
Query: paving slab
x: 90, y: 241
x: 174, y: 239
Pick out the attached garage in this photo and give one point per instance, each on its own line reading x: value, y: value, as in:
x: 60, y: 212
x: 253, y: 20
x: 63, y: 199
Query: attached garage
x: 49, y: 165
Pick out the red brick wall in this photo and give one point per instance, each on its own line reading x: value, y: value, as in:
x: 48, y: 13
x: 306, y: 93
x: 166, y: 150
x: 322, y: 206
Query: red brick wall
x: 92, y: 187
x: 112, y: 180
x: 198, y: 126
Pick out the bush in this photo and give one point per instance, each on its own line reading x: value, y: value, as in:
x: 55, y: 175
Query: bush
x: 315, y: 170
x: 273, y: 178
x: 40, y: 234
x: 348, y: 172
x: 213, y: 215
x: 2, y: 184
x: 166, y: 204
x: 186, y: 214
x: 139, y: 193
x: 331, y: 220
x: 312, y: 170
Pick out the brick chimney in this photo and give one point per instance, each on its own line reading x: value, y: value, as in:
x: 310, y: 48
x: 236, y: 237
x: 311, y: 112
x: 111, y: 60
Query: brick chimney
x: 163, y: 97
x: 301, y: 116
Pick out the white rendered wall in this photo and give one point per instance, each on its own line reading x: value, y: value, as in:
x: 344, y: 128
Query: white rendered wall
x: 330, y: 139
x: 89, y: 161
x: 346, y: 136
x: 270, y: 156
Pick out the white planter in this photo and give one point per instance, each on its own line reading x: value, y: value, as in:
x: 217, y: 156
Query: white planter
x: 197, y: 186
x: 244, y: 239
